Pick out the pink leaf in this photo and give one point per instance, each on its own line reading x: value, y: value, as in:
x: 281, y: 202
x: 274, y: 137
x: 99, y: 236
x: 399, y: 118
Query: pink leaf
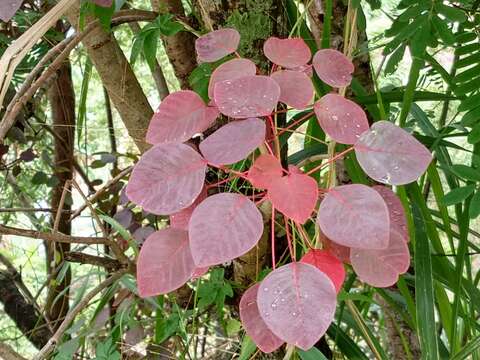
x: 327, y: 263
x: 223, y: 227
x: 233, y: 142
x: 181, y: 115
x: 181, y: 219
x: 167, y: 179
x: 199, y: 272
x: 8, y: 8
x: 398, y: 220
x: 390, y: 155
x: 342, y: 119
x: 333, y: 68
x: 103, y: 3
x: 297, y: 302
x: 294, y: 195
x: 248, y: 96
x: 253, y: 323
x: 264, y: 170
x: 306, y: 69
x: 381, y: 268
x: 355, y: 216
x: 296, y: 89
x: 217, y: 44
x: 339, y: 251
x: 165, y: 262
x: 288, y: 53
x: 232, y: 69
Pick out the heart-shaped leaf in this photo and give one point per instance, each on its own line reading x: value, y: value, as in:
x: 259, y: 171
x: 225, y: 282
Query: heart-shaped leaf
x: 233, y: 142
x: 217, y: 44
x: 327, y: 263
x: 253, y: 323
x: 248, y: 96
x: 288, y: 53
x: 181, y: 115
x: 342, y: 119
x: 381, y: 268
x: 296, y: 88
x: 297, y: 302
x: 8, y: 8
x: 167, y: 179
x: 165, y: 262
x: 294, y: 195
x: 223, y: 227
x: 333, y: 68
x: 398, y: 220
x: 390, y: 155
x: 355, y: 216
x: 232, y: 69
x: 264, y: 170
x: 181, y: 219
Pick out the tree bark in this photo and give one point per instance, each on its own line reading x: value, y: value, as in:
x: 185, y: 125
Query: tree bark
x: 62, y: 101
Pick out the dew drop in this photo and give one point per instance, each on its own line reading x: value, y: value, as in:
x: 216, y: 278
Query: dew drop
x: 334, y: 117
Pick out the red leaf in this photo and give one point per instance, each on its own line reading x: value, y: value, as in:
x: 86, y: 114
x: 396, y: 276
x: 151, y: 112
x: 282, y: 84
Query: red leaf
x: 233, y: 142
x: 199, y: 272
x: 390, y: 155
x: 294, y: 195
x: 253, y: 323
x: 355, y: 216
x: 232, y: 69
x: 223, y: 227
x: 398, y: 220
x: 342, y: 119
x: 288, y: 53
x: 327, y: 263
x: 8, y: 8
x: 333, y: 68
x: 341, y: 252
x: 167, y: 179
x: 181, y: 219
x: 165, y: 262
x: 297, y: 302
x: 181, y: 115
x: 217, y: 44
x: 296, y: 89
x: 381, y: 268
x: 248, y: 96
x: 264, y: 170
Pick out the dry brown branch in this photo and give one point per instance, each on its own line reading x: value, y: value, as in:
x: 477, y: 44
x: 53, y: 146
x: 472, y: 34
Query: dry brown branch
x: 57, y: 237
x: 82, y: 258
x: 7, y: 353
x: 52, y: 343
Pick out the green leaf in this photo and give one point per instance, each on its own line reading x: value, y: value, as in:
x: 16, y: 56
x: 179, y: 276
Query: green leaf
x: 39, y: 178
x: 82, y: 106
x: 199, y: 79
x: 104, y: 15
x: 474, y: 135
x: 450, y: 13
x: 466, y: 172
x: 468, y: 349
x: 96, y: 164
x: 424, y: 289
x: 150, y: 45
x: 137, y: 47
x: 312, y: 354
x: 247, y: 349
x: 458, y: 195
x: 443, y: 30
x: 168, y: 27
x: 474, y: 209
x: 395, y: 59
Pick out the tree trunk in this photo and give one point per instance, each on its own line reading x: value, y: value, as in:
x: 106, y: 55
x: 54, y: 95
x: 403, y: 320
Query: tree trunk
x: 62, y: 101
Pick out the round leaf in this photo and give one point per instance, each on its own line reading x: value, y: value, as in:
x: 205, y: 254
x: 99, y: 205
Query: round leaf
x: 264, y: 170
x: 342, y: 119
x: 165, y: 262
x: 333, y: 68
x: 289, y: 53
x: 296, y: 88
x: 181, y: 115
x: 232, y: 69
x: 167, y: 179
x: 355, y: 216
x: 223, y: 227
x: 217, y: 44
x: 234, y: 141
x: 391, y: 155
x: 248, y: 96
x: 253, y: 323
x: 327, y: 263
x: 381, y: 268
x: 294, y: 195
x: 181, y: 219
x: 8, y: 8
x: 297, y: 302
x: 398, y: 220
